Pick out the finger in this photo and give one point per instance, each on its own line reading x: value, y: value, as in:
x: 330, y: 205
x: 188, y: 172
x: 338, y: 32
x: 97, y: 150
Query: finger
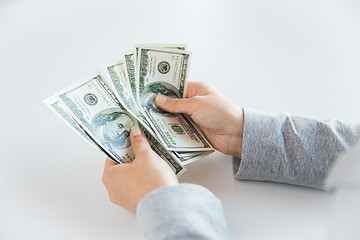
x: 139, y: 141
x: 175, y: 105
x: 109, y: 163
x: 198, y: 89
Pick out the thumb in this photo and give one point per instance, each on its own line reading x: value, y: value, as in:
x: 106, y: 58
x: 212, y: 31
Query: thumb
x: 174, y: 105
x: 139, y: 141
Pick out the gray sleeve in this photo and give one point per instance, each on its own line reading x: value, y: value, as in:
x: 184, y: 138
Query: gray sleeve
x: 293, y: 150
x: 184, y: 211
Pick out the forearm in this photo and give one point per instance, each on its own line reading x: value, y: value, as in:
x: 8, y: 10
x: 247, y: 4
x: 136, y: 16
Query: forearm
x: 293, y: 150
x: 184, y: 211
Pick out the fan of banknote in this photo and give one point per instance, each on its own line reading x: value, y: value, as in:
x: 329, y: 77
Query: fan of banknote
x: 103, y: 108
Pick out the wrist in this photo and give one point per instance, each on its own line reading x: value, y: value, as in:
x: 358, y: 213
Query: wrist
x: 238, y: 132
x: 238, y: 123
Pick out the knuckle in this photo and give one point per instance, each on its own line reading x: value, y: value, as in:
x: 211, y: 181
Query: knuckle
x: 196, y: 100
x: 205, y: 87
x: 202, y: 84
x: 179, y: 105
x: 171, y: 102
x: 112, y: 199
x: 104, y: 179
x: 141, y: 143
x: 174, y: 104
x: 145, y: 152
x: 138, y: 139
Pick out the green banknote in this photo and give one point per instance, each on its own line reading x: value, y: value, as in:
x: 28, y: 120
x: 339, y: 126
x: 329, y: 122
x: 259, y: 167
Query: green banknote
x: 129, y: 66
x: 103, y: 111
x: 121, y: 88
x: 96, y: 109
x: 189, y: 157
x: 60, y: 110
x: 99, y: 113
x: 164, y: 71
x: 130, y: 60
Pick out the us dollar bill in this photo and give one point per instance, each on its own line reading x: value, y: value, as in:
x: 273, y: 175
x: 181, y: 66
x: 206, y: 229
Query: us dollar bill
x: 164, y: 71
x: 94, y: 106
x: 168, y: 156
x: 61, y: 111
x: 189, y: 157
x: 122, y: 90
x: 129, y: 66
x: 120, y: 86
x: 103, y: 113
x: 130, y: 59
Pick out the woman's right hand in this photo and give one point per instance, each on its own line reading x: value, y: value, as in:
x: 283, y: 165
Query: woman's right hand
x: 220, y: 120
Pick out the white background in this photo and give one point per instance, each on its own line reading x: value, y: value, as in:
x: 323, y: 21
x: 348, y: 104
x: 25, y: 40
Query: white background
x: 301, y: 57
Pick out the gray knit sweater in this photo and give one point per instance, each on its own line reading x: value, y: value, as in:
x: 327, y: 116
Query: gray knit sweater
x: 276, y: 147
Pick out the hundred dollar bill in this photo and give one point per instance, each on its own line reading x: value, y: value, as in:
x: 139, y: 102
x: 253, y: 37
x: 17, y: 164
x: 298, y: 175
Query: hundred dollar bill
x: 95, y: 108
x: 129, y: 66
x: 164, y: 71
x: 122, y: 90
x: 130, y: 62
x: 180, y: 46
x: 189, y: 157
x: 105, y: 120
x: 168, y: 156
x: 60, y: 110
x: 120, y: 87
x: 157, y: 46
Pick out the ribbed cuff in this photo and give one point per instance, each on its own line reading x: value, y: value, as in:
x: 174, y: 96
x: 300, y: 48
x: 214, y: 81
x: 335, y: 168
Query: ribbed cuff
x: 184, y: 211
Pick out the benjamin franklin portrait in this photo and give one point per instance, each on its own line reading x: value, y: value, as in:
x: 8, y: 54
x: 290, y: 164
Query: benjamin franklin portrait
x: 148, y: 95
x: 113, y: 126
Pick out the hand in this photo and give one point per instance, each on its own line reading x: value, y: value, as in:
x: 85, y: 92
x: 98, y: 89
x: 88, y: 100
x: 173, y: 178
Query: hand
x: 220, y: 120
x: 127, y: 184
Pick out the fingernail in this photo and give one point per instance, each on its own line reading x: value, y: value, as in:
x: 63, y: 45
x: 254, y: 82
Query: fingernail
x: 135, y: 131
x: 161, y: 99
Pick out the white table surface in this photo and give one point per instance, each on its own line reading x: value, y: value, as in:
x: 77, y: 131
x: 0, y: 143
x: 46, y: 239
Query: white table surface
x: 301, y: 57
